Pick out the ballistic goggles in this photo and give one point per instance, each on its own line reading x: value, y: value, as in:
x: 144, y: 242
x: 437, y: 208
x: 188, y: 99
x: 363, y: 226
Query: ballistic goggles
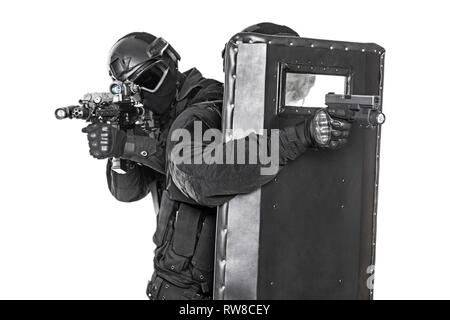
x: 152, y: 76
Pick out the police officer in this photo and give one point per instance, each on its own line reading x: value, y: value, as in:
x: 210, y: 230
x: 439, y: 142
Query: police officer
x: 187, y: 193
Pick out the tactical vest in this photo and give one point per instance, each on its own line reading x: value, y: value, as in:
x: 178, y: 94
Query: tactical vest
x: 185, y: 232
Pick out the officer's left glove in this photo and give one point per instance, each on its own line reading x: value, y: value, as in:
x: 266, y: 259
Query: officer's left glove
x: 105, y: 141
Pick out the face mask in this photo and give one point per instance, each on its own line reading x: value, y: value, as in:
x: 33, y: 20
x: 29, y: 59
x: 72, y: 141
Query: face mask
x: 161, y: 100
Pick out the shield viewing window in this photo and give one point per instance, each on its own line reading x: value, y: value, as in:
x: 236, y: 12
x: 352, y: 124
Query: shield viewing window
x: 309, y: 90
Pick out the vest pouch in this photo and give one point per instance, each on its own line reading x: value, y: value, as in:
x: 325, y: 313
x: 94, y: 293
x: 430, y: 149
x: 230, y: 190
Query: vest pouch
x: 203, y: 258
x: 166, y: 209
x: 186, y: 230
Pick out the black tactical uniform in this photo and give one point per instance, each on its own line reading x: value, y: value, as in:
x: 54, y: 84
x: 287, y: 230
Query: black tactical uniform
x: 187, y: 193
x: 185, y: 231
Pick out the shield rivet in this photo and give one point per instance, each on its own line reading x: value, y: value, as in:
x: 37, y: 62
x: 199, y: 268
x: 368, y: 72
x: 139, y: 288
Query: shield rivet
x: 172, y: 267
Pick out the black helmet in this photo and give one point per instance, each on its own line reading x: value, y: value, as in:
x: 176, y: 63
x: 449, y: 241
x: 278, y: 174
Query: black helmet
x: 268, y: 28
x: 271, y: 29
x: 144, y: 59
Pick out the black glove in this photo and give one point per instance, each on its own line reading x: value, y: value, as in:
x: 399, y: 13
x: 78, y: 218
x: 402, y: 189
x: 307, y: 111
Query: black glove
x: 105, y: 141
x: 324, y: 131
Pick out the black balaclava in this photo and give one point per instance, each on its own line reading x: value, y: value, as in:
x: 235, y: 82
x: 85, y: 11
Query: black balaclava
x: 160, y: 101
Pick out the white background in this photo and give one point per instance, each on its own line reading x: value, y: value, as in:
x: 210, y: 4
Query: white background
x: 62, y: 235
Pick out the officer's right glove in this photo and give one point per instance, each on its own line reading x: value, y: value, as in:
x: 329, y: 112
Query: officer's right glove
x: 323, y: 131
x: 105, y: 141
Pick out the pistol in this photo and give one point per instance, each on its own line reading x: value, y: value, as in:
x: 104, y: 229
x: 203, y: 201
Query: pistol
x: 365, y: 110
